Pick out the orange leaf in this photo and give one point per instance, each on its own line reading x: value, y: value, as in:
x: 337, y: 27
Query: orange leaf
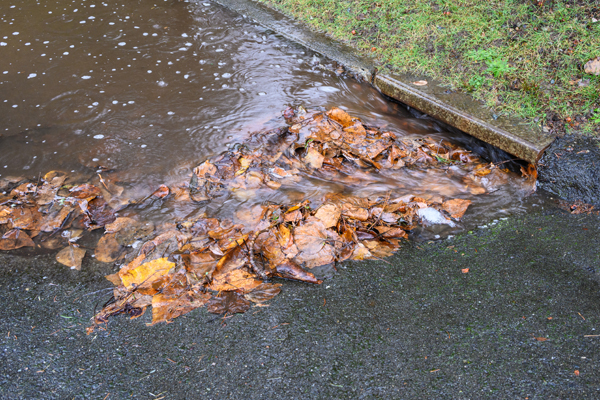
x: 456, y: 207
x: 146, y: 273
x: 161, y: 192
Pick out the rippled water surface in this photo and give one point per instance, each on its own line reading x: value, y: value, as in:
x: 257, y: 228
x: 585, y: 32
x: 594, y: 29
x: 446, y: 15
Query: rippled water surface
x: 147, y: 89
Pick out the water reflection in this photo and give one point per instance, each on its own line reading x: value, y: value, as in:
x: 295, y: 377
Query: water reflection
x: 149, y: 89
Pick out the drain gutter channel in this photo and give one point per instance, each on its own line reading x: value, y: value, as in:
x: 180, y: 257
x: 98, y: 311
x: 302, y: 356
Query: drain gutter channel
x: 459, y: 110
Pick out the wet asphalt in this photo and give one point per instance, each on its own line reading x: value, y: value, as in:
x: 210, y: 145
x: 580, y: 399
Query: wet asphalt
x: 412, y: 326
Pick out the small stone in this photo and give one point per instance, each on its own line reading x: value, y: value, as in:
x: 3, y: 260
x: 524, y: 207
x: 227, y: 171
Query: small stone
x: 584, y: 83
x: 592, y: 66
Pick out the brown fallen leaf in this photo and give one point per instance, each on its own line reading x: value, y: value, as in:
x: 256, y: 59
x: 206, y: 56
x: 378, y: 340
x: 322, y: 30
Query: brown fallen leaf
x: 237, y: 279
x: 54, y: 218
x: 28, y: 218
x: 263, y: 292
x: 361, y: 252
x: 290, y: 270
x: 85, y: 191
x: 118, y: 224
x: 483, y: 171
x: 541, y: 339
x: 108, y: 249
x: 314, y: 158
x: 329, y: 214
x: 15, y: 239
x: 115, y: 279
x: 456, y: 207
x: 71, y: 256
x: 228, y: 302
x: 340, y: 116
x: 100, y: 212
x: 167, y: 307
x: 47, y: 191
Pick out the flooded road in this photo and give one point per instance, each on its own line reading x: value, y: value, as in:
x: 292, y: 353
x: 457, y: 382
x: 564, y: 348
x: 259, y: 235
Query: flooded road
x: 142, y: 92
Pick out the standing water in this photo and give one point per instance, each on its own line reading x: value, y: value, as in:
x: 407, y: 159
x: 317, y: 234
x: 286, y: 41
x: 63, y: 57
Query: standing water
x: 142, y: 92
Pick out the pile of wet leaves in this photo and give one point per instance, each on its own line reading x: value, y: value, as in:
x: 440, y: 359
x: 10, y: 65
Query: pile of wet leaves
x: 227, y: 263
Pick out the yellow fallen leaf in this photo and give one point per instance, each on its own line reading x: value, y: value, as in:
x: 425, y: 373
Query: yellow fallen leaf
x: 146, y: 272
x: 245, y: 163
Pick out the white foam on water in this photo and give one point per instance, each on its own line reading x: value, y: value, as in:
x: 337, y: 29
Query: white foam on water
x: 434, y: 217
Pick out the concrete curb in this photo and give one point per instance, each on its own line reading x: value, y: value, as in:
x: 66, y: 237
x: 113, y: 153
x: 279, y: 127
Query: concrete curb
x: 455, y: 109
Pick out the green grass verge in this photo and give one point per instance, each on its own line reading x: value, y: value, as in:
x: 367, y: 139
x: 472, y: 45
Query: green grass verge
x: 521, y: 57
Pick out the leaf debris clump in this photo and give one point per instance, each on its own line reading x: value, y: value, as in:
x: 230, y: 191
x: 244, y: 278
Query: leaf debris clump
x: 226, y: 263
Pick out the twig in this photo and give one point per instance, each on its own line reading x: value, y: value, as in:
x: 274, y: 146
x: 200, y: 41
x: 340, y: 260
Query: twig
x: 103, y: 183
x: 260, y: 271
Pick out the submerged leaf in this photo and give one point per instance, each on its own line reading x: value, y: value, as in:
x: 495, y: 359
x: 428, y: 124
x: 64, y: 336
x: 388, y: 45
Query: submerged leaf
x: 71, y: 256
x: 108, y: 249
x: 314, y: 158
x: 263, y: 292
x: 167, y: 307
x: 228, y: 302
